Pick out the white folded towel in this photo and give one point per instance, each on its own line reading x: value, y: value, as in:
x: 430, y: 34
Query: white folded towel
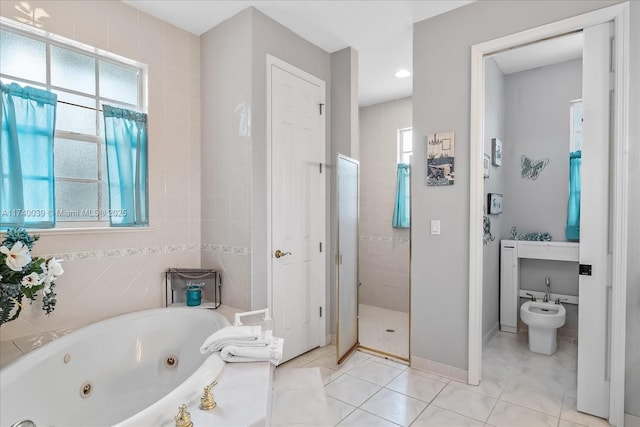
x: 235, y: 335
x: 270, y: 353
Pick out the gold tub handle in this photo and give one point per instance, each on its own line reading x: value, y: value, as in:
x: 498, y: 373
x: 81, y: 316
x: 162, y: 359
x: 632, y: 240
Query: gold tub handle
x: 207, y: 403
x: 183, y: 419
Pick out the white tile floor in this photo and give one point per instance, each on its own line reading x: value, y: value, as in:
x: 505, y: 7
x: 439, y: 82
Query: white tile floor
x: 519, y: 389
x: 373, y: 325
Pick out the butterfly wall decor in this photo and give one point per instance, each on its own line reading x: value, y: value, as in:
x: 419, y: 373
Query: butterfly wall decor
x: 531, y: 168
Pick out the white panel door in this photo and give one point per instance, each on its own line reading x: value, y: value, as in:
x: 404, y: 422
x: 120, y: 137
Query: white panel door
x: 297, y: 211
x: 347, y: 259
x: 593, y: 346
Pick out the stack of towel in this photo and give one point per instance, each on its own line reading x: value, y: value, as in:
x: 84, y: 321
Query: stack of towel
x: 244, y: 344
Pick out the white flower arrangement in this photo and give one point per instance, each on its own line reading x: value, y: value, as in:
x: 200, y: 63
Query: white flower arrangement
x: 22, y: 275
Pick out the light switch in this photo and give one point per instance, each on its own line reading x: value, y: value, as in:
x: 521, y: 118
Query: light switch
x: 435, y: 226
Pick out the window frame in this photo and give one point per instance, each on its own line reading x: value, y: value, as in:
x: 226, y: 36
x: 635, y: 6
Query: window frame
x: 97, y: 55
x: 400, y: 151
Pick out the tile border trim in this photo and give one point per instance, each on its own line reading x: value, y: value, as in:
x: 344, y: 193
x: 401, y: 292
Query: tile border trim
x: 120, y: 252
x: 225, y: 249
x: 386, y: 238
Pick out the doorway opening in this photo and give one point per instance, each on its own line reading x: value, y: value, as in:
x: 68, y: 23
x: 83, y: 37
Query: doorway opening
x: 612, y: 305
x: 386, y: 144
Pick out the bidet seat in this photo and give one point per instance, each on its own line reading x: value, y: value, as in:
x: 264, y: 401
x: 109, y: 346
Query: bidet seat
x: 543, y: 314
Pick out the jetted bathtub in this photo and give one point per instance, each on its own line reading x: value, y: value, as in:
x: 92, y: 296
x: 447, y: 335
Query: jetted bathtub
x: 131, y: 370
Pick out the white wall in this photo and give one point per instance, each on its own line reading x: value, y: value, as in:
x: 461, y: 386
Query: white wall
x: 441, y: 102
x: 493, y: 128
x: 119, y: 271
x: 384, y: 250
x: 343, y: 113
x: 537, y: 125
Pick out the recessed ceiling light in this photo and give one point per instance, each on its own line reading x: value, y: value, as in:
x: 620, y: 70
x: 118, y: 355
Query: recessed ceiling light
x: 401, y: 74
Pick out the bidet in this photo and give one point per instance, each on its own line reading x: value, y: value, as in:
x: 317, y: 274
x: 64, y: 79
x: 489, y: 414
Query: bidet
x: 543, y: 319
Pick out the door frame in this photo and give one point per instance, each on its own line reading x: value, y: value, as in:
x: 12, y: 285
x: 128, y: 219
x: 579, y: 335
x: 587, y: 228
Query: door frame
x: 272, y: 61
x: 618, y: 13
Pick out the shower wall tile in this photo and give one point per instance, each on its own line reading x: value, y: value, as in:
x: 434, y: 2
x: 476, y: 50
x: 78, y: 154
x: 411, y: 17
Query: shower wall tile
x: 236, y: 273
x: 90, y: 27
x: 117, y: 271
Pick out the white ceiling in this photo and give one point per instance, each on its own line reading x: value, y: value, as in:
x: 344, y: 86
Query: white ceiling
x: 548, y: 52
x: 381, y: 31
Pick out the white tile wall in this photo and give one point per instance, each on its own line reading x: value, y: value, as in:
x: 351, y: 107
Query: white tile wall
x: 226, y: 157
x: 115, y: 272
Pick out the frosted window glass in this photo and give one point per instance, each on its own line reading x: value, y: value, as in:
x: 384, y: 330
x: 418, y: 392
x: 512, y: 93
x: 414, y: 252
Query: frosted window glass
x: 71, y: 70
x: 577, y: 117
x: 23, y: 57
x: 118, y: 83
x: 76, y: 201
x: 75, y: 159
x: 405, y: 145
x: 103, y: 160
x: 105, y: 198
x: 576, y: 137
x: 407, y: 141
x: 104, y: 186
x: 73, y: 117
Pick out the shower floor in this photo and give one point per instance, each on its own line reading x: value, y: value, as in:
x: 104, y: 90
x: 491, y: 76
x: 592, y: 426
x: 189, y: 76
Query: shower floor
x: 373, y: 325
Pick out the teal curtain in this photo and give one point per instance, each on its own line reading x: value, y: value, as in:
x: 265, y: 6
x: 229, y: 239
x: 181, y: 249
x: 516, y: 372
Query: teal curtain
x: 572, y: 230
x: 402, y: 211
x: 127, y: 166
x: 27, y: 187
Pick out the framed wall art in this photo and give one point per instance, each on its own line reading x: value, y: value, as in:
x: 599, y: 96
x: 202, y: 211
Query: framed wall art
x: 496, y: 152
x: 440, y: 158
x: 486, y: 164
x: 494, y: 203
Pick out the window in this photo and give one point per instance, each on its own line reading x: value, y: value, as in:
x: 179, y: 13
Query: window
x: 575, y: 125
x: 401, y: 210
x: 405, y: 145
x: 572, y: 229
x: 83, y: 80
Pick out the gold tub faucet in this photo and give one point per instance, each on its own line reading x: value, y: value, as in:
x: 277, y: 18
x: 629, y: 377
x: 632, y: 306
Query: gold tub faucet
x: 206, y: 401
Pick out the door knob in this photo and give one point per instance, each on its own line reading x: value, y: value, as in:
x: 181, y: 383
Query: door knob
x: 278, y: 253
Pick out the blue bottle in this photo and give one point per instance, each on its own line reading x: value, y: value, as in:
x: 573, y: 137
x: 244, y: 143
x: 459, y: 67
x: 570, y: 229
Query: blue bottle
x: 194, y: 295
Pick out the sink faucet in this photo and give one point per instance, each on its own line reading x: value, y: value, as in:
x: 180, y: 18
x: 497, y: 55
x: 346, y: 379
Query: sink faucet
x: 547, y: 294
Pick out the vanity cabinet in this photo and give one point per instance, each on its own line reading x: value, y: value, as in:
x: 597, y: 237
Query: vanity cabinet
x: 510, y: 253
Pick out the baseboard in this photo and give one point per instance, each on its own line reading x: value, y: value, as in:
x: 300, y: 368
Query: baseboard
x: 330, y: 339
x: 490, y: 334
x: 631, y: 420
x: 438, y: 368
